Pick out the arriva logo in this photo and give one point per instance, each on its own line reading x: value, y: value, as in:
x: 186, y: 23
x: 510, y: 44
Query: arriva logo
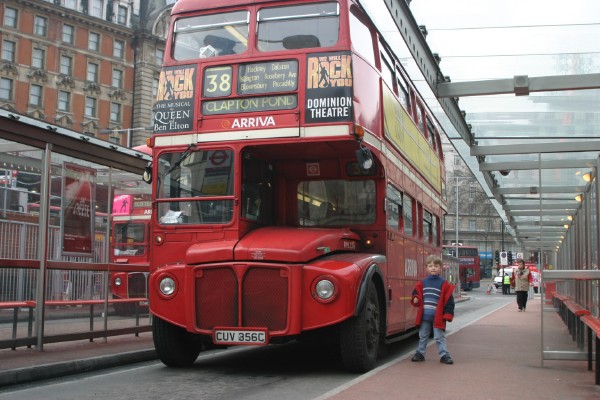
x: 253, y: 122
x: 410, y: 267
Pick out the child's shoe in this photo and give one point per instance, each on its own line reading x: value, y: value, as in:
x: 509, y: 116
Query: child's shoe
x: 446, y: 359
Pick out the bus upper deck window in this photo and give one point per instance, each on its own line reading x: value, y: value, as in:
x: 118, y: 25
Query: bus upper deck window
x: 211, y: 35
x: 298, y: 27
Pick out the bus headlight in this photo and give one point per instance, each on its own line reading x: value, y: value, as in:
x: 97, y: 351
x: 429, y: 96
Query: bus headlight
x: 325, y: 289
x: 167, y: 286
x: 118, y: 281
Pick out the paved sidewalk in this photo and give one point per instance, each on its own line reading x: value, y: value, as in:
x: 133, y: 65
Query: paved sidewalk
x: 25, y: 365
x: 497, y: 357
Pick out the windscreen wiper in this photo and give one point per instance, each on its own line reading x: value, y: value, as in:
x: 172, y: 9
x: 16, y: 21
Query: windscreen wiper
x: 185, y: 155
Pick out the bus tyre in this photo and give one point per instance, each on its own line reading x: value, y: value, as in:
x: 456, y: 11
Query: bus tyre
x: 360, y: 335
x: 174, y: 345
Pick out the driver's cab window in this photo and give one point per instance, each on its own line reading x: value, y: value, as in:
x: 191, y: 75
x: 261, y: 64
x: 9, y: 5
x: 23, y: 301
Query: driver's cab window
x: 130, y: 239
x: 198, y: 185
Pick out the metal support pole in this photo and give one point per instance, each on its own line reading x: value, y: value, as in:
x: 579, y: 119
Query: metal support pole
x: 42, y: 246
x: 456, y: 219
x: 502, y: 235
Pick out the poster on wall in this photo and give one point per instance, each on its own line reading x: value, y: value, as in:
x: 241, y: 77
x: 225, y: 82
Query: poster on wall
x: 329, y: 87
x: 77, y: 223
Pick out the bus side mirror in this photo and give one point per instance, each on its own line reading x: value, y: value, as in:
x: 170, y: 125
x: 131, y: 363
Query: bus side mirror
x: 365, y: 158
x: 147, y: 176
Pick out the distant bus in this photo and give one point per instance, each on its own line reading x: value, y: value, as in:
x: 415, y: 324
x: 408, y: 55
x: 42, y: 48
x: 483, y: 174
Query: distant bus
x: 130, y: 230
x: 129, y: 246
x: 469, y: 267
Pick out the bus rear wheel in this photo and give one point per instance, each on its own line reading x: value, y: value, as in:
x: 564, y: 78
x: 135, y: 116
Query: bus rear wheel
x: 360, y: 336
x: 174, y: 345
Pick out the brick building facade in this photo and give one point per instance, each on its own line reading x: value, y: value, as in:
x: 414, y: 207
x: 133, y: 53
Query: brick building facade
x: 88, y: 65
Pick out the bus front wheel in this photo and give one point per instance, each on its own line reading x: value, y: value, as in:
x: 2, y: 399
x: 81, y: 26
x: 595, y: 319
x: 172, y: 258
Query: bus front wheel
x: 174, y: 345
x: 360, y: 335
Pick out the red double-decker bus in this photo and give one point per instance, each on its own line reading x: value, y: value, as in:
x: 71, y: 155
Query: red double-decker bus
x: 469, y: 265
x: 297, y: 181
x: 130, y: 229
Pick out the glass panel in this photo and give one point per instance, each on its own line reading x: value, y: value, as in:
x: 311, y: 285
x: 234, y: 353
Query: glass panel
x: 407, y: 211
x: 194, y: 176
x: 336, y: 202
x: 211, y: 35
x: 298, y: 27
x: 394, y: 207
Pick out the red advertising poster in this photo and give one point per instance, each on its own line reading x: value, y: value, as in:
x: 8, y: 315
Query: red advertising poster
x: 79, y: 186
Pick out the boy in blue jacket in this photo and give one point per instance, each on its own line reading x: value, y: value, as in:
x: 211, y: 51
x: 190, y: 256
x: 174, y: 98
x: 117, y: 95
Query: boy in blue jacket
x: 433, y: 296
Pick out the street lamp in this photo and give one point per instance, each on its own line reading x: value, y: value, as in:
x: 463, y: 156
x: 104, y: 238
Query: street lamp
x: 128, y: 130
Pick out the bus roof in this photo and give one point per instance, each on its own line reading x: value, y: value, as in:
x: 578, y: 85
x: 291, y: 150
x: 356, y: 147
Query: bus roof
x: 183, y: 6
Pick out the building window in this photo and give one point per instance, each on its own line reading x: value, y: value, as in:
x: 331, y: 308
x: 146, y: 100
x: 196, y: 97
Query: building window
x: 6, y: 89
x: 10, y: 17
x: 64, y: 101
x: 66, y: 65
x: 472, y: 224
x: 35, y: 95
x: 118, y: 49
x: 67, y: 33
x: 8, y: 50
x: 37, y: 58
x: 155, y: 87
x: 115, y: 112
x: 158, y: 56
x: 90, y: 107
x: 92, y: 72
x: 39, y: 26
x: 456, y: 160
x: 94, y: 41
x: 72, y: 4
x: 117, y: 79
x: 96, y: 8
x: 122, y: 15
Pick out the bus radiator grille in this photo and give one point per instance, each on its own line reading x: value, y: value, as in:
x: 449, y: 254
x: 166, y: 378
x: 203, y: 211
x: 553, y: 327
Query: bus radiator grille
x: 264, y: 300
x: 216, y: 298
x: 136, y: 285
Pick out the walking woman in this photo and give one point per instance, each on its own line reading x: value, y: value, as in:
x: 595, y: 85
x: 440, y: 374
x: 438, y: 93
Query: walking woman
x: 522, y: 279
